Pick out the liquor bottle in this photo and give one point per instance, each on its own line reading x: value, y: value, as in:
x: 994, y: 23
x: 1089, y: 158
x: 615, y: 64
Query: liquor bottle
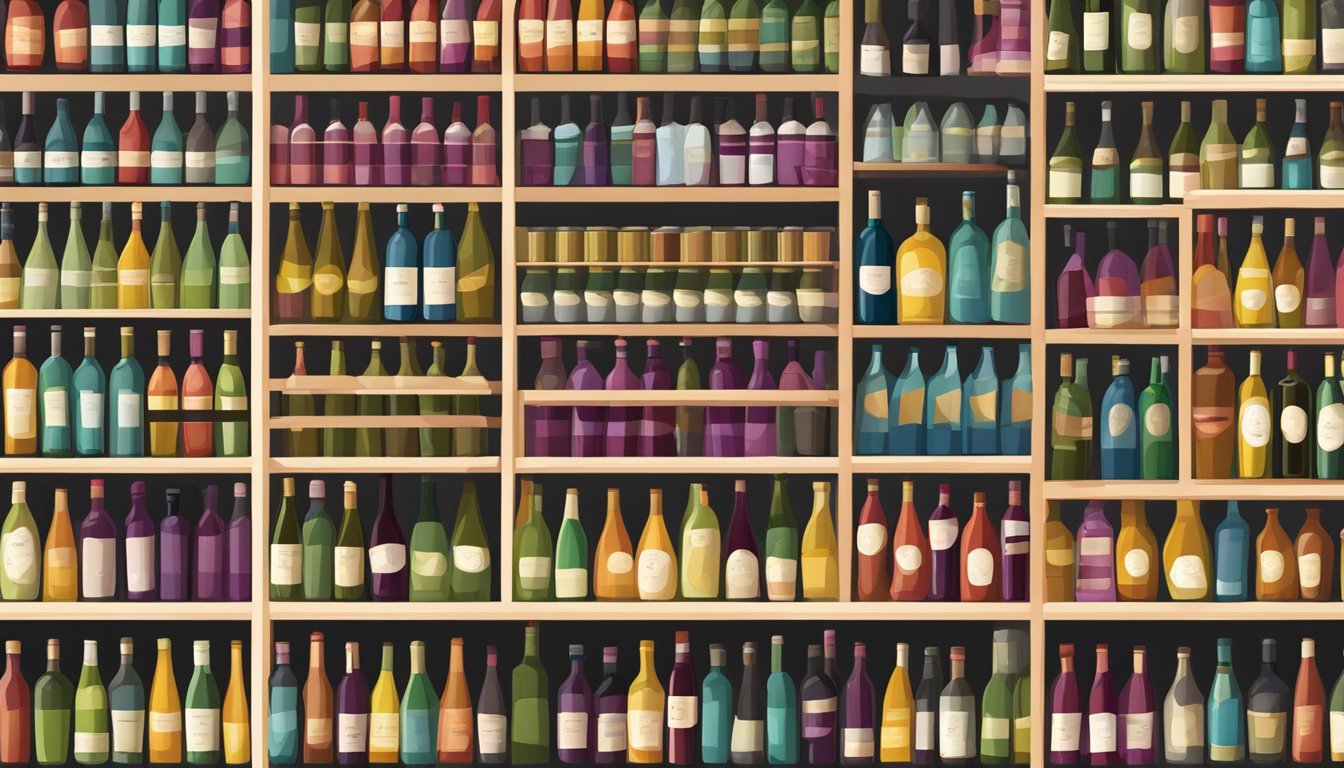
x: 384, y: 721
x: 1135, y: 552
x: 1186, y: 555
x: 700, y: 548
x: 209, y: 550
x: 969, y: 268
x: 1183, y: 715
x: 911, y: 548
x: 318, y: 545
x: 943, y: 408
x: 1315, y: 558
x: 1231, y: 552
x: 1066, y: 164
x: 1183, y: 171
x: 352, y: 709
x: 230, y: 395
x: 27, y: 151
x: 1101, y: 712
x: 1183, y: 49
x: 574, y: 725
x: 53, y: 387
x: 59, y: 562
x: 1218, y: 152
x: 133, y: 148
x: 1297, y: 157
x: 1329, y: 411
x: 980, y: 411
x: 429, y: 576
x: 1267, y: 704
x: 53, y: 700
x: 559, y: 52
x: 1066, y: 716
x: 348, y: 564
x: 980, y: 565
x: 1071, y: 423
x: 1227, y: 40
x: 742, y: 569
x: 1255, y: 425
x: 174, y: 549
x: 1255, y: 162
x: 387, y: 549
x: 1137, y: 711
x: 1263, y: 51
x: 871, y: 542
x: 126, y: 391
x: 1276, y: 575
x: 1289, y: 280
x: 1295, y: 423
x: 820, y: 714
x: 897, y: 703
x: 1227, y: 726
x: 165, y: 709
x: 997, y: 709
x: 818, y: 554
x: 236, y: 731
x: 233, y: 148
x: 944, y: 546
x: 140, y: 549
x: 927, y: 708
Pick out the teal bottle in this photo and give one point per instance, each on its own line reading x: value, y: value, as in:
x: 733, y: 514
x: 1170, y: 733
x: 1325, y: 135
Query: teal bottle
x: 282, y: 37
x: 942, y: 408
x: 716, y: 710
x: 283, y: 724
x: 774, y: 38
x: 141, y: 35
x: 980, y: 408
x: 1231, y: 552
x: 871, y: 407
x: 165, y: 149
x: 55, y: 391
x: 1010, y: 270
x: 419, y: 713
x: 107, y: 33
x: 319, y: 545
x: 1298, y: 171
x: 781, y: 710
x: 1157, y: 434
x: 567, y: 137
x: 90, y: 388
x: 622, y: 143
x: 172, y: 35
x: 52, y: 698
x: 905, y: 413
x: 1119, y: 432
x: 232, y: 147
x: 126, y: 702
x: 968, y: 268
x: 401, y: 272
x: 438, y: 303
x: 60, y: 151
x: 98, y: 160
x: 125, y: 402
x: 1264, y: 53
x: 1226, y: 723
x: 1015, y: 408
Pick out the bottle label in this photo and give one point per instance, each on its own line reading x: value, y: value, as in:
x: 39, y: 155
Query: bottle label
x: 1271, y: 566
x: 1257, y: 175
x: 490, y: 733
x: 1186, y: 729
x: 683, y: 711
x: 571, y: 583
x: 611, y: 732
x: 620, y: 562
x: 485, y: 34
x: 1293, y: 424
x: 352, y: 732
x: 915, y: 58
x: 1136, y: 563
x: 742, y: 576
x: 1139, y: 730
x: 1057, y: 46
x: 534, y: 572
x: 54, y: 160
x: 995, y: 728
x: 781, y: 577
x: 20, y: 418
x: 1332, y: 177
x: 175, y: 35
x: 1336, y: 732
x: 942, y: 533
x: 875, y: 280
x: 1255, y: 424
x: 56, y: 407
x: 1065, y: 728
x: 1119, y: 419
x: 1096, y: 31
x: 286, y: 564
x: 20, y: 556
x: 392, y: 35
x: 1330, y: 427
x: 1287, y: 298
x: 140, y: 574
x: 387, y: 558
x: 306, y: 34
x: 1188, y: 572
x: 128, y: 730
x: 1101, y: 732
x: 532, y: 31
x: 99, y: 567
x: 559, y: 33
x: 645, y: 729
x: 909, y: 558
x: 91, y: 159
x: 165, y: 722
x: 105, y: 35
x: 1010, y: 266
x: 1157, y: 419
x: 128, y: 410
x: 1309, y: 570
x: 384, y: 732
x: 922, y: 282
x: 362, y: 34
x: 872, y: 538
x: 571, y: 730
x: 201, y: 34
x: 440, y: 286
x: 1140, y: 31
x: 470, y: 559
x: 1144, y: 185
x: 202, y: 733
x: 402, y: 286
x: 1066, y: 183
x: 874, y: 60
x: 954, y: 736
x: 429, y: 564
x: 234, y: 276
x: 590, y: 31
x: 980, y: 567
x: 451, y: 32
x: 620, y: 32
x: 749, y: 736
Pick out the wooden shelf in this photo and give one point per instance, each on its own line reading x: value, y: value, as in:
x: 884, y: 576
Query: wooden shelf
x: 1087, y: 490
x: 942, y: 465
x: 145, y: 82
x: 889, y: 170
x: 127, y: 194
x: 338, y: 465
x: 671, y: 265
x: 946, y: 88
x: 673, y: 330
x: 1242, y: 490
x: 706, y: 194
x: 943, y: 331
x: 1212, y: 84
x: 1112, y: 336
x: 1263, y: 337
x: 173, y: 465
x: 125, y: 611
x: 718, y: 610
x: 1258, y: 199
x: 762, y: 397
x: 1086, y: 211
x: 386, y: 195
x: 1196, y: 611
x: 658, y: 83
x: 799, y: 465
x: 374, y: 83
x: 314, y: 384
x: 387, y: 330
x: 114, y: 315
x: 384, y: 422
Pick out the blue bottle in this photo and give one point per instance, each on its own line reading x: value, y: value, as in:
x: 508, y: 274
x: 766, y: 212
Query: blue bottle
x: 716, y: 710
x: 1120, y: 433
x: 90, y: 396
x: 567, y: 137
x: 1226, y: 723
x: 942, y: 408
x: 27, y: 150
x: 1231, y: 552
x: 172, y: 35
x: 1263, y: 51
x: 876, y: 262
x: 141, y: 36
x: 905, y: 414
x: 781, y: 710
x: 871, y: 421
x: 60, y: 152
x: 54, y: 382
x: 126, y: 402
x: 1015, y: 408
x: 968, y: 268
x: 439, y: 302
x: 107, y: 36
x: 282, y: 37
x: 283, y: 722
x: 401, y: 273
x: 980, y: 408
x: 98, y: 159
x: 1297, y: 172
x: 165, y: 148
x: 1010, y: 265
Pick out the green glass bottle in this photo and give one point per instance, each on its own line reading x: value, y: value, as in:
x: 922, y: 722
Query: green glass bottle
x: 1157, y: 443
x: 1329, y: 422
x: 532, y: 555
x: 53, y: 701
x: 1299, y: 37
x: 404, y: 441
x: 92, y: 727
x: 103, y: 281
x: 652, y: 37
x: 530, y: 731
x: 349, y: 570
x: 681, y: 35
x: 996, y: 710
x: 1105, y: 181
x: 469, y: 441
x: 429, y: 548
x: 419, y: 711
x: 198, y: 268
x: 571, y: 553
x: 76, y: 268
x: 744, y: 36
x: 774, y: 36
x: 22, y: 548
x: 1183, y: 158
x: 1218, y: 152
x: 165, y: 264
x: 231, y: 395
x: 286, y: 575
x: 1146, y: 166
x: 471, y: 571
x: 200, y: 711
x: 781, y: 545
x: 338, y: 441
x: 830, y: 40
x: 1183, y: 38
x: 805, y: 38
x: 369, y: 440
x: 336, y: 36
x: 1098, y: 52
x: 319, y: 545
x: 1138, y: 54
x: 126, y: 697
x: 41, y: 281
x: 1071, y: 423
x: 1061, y: 46
x: 436, y: 441
x: 235, y: 268
x: 1065, y: 183
x: 1255, y: 161
x: 299, y: 442
x: 1331, y: 157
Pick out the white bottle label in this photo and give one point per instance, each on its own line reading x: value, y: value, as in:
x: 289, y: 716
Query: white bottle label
x: 1157, y: 419
x: 20, y: 556
x: 1065, y: 730
x: 980, y: 567
x: 352, y: 732
x: 1140, y: 31
x: 1136, y: 563
x: 942, y: 533
x: 611, y: 732
x: 1255, y: 425
x: 871, y: 539
x: 402, y: 286
x: 590, y: 30
x: 349, y: 566
x: 915, y: 58
x: 909, y: 558
x: 954, y: 735
x: 654, y: 567
x: 384, y: 732
x: 202, y: 729
x: 128, y: 410
x: 1101, y: 732
x: 571, y: 583
x: 56, y: 408
x: 1330, y: 427
x: 99, y: 567
x: 1309, y: 570
x: 440, y: 286
x: 874, y: 61
x: 534, y: 572
x: 470, y: 559
x: 1057, y: 46
x: 743, y: 576
x: 105, y: 35
x: 1118, y: 419
x: 1188, y: 572
x: 1293, y: 424
x: 286, y: 564
x: 531, y: 31
x: 1096, y: 31
x: 140, y: 576
x: 20, y: 418
x: 1271, y: 566
x: 683, y: 711
x: 875, y: 280
x: 490, y: 733
x: 645, y: 729
x: 1139, y: 730
x: 571, y: 730
x: 387, y: 558
x: 128, y: 730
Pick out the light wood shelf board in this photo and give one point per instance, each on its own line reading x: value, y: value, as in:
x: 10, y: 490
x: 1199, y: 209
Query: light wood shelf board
x: 125, y: 610
x: 1195, y: 611
x: 1167, y: 83
x: 1112, y: 336
x: 706, y: 194
x: 1259, y: 199
x: 894, y: 169
x: 125, y: 314
x: 388, y: 330
x: 387, y: 195
x: 1086, y: 211
x: 820, y: 465
x: 1263, y: 337
x: 383, y: 422
x: 695, y: 330
x: 658, y: 83
x: 768, y: 397
x: 718, y: 610
x: 315, y: 384
x: 1087, y: 490
x: 677, y: 264
x: 944, y: 331
x: 377, y: 83
x: 385, y: 464
x: 127, y: 194
x: 939, y: 465
x: 172, y: 465
x: 145, y: 82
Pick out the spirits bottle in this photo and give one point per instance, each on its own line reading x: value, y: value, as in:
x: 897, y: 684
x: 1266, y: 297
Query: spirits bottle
x: 571, y: 553
x: 1296, y: 170
x: 911, y: 549
x: 1227, y: 725
x: 53, y: 387
x: 1332, y: 151
x: 1105, y: 169
x: 1227, y: 39
x: 27, y: 151
x: 174, y: 550
x: 319, y: 542
x: 165, y: 156
x: 1136, y: 715
x: 956, y: 705
x: 969, y: 268
x: 1186, y: 555
x: 1218, y: 152
x: 202, y: 710
x: 1315, y: 558
x: 683, y: 704
x: 1329, y: 411
x: 1267, y: 704
x: 1295, y: 423
x: 1255, y: 161
x: 1255, y: 425
x: 1183, y: 716
x: 387, y: 549
x: 871, y: 425
x: 1276, y: 566
x: 98, y: 157
x: 1066, y: 164
x: 622, y: 38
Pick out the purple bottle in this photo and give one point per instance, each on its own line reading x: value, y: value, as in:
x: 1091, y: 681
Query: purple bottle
x: 210, y: 550
x: 365, y: 140
x: 1101, y: 709
x: 760, y: 439
x: 1096, y: 557
x: 337, y: 166
x: 1138, y: 710
x: 790, y: 139
x: 303, y: 146
x: 683, y: 705
x: 944, y: 540
x: 547, y: 426
x: 741, y: 558
x: 1319, y: 310
x: 425, y: 147
x: 819, y: 693
x: 820, y: 153
x: 454, y: 37
x: 860, y: 704
x: 202, y: 28
x: 1066, y: 711
x: 724, y: 425
x: 610, y: 701
x: 792, y: 379
x: 588, y: 427
x: 396, y: 159
x: 174, y: 549
x: 575, y: 726
x: 1157, y: 281
x: 456, y: 150
x: 238, y: 580
x: 623, y: 422
x: 352, y: 712
x: 1074, y: 290
x: 1116, y: 304
x: 141, y: 538
x: 538, y: 156
x: 1016, y: 535
x: 658, y: 427
x: 596, y: 143
x: 484, y: 147
x: 644, y: 146
x: 98, y: 549
x: 387, y: 549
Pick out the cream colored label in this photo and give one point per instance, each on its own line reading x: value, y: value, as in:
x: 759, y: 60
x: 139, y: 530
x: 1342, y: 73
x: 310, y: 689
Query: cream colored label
x: 683, y: 711
x: 871, y: 538
x: 954, y: 735
x: 611, y: 732
x: 362, y: 33
x: 202, y: 729
x: 1066, y: 183
x: 531, y: 31
x: 1101, y: 732
x: 1255, y: 424
x: 1188, y: 572
x: 1309, y: 570
x: 915, y: 58
x: 286, y: 564
x: 620, y: 32
x: 922, y: 282
x: 742, y: 575
x: 534, y: 572
x: 384, y: 732
x: 645, y: 729
x: 392, y: 35
x: 470, y: 559
x: 1186, y: 729
x: 942, y: 534
x: 875, y: 280
x: 1118, y: 419
x: 387, y: 558
x: 909, y: 558
x: 1293, y: 424
x: 1157, y: 419
x: 485, y: 33
x: 1139, y: 730
x: 1057, y: 46
x: 306, y: 34
x: 1065, y: 730
x: 559, y: 33
x: 1096, y: 31
x: 429, y: 564
x: 352, y: 732
x: 1271, y: 566
x: 571, y: 730
x: 589, y: 31
x: 1330, y: 427
x: 980, y: 567
x: 1136, y: 563
x: 571, y: 583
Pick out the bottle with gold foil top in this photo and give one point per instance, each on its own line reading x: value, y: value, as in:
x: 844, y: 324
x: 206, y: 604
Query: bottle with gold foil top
x: 614, y: 562
x: 1218, y: 152
x: 820, y: 564
x: 362, y: 301
x: 1135, y: 555
x: 921, y: 267
x: 1186, y: 555
x: 656, y: 559
x: 1289, y: 279
x: 1255, y: 424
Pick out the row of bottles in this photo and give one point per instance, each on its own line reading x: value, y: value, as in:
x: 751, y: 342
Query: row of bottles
x: 943, y: 415
x: 1294, y: 434
x: 738, y: 36
x: 397, y: 156
x: 1138, y: 439
x: 641, y: 153
x: 138, y: 278
x: 1268, y: 723
x: 677, y: 430
x: 204, y: 155
x: 712, y: 565
x: 672, y: 246
x: 321, y: 561
x: 1122, y: 295
x: 1101, y: 564
x: 952, y: 562
x: 1000, y: 41
x: 432, y: 279
x: 956, y: 139
x: 680, y: 719
x: 1186, y: 38
x: 984, y: 280
x: 54, y: 411
x: 368, y: 36
x: 139, y: 36
x: 173, y: 561
x: 299, y: 400
x: 1217, y: 161
x: 109, y: 722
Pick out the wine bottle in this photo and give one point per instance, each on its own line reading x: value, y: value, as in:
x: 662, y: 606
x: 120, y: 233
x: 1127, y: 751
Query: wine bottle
x: 1062, y: 54
x: 348, y: 566
x: 165, y: 709
x: 530, y: 736
x: 384, y: 722
x: 877, y: 302
x: 60, y: 152
x: 318, y: 545
x: 1183, y: 715
x: 1066, y: 164
x: 1218, y: 152
x: 1295, y: 423
x: 1186, y: 556
x: 53, y: 700
x: 1267, y: 705
x: 1276, y: 567
x: 286, y: 577
x: 41, y: 285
